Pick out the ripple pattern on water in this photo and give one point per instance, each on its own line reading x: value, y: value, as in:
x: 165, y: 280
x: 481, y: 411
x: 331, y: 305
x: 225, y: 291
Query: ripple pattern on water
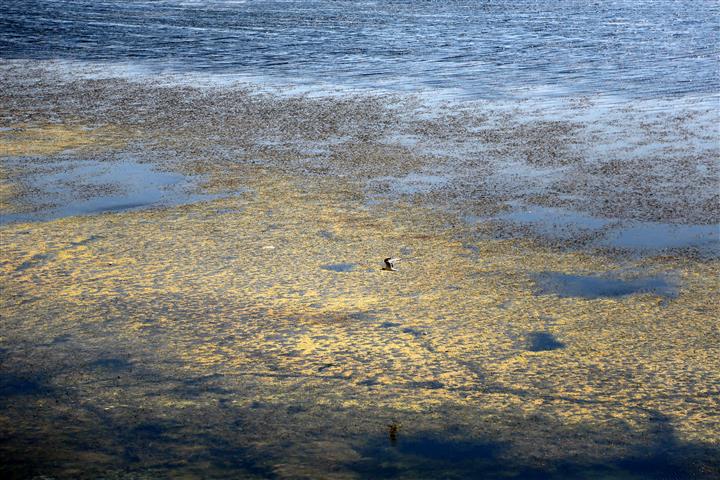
x: 641, y: 48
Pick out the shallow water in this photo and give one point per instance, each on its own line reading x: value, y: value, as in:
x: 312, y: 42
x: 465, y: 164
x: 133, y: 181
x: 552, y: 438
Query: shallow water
x: 656, y: 236
x: 256, y: 336
x: 79, y: 187
x: 597, y: 286
x: 542, y: 341
x: 478, y: 49
x: 169, y: 342
x: 635, y: 236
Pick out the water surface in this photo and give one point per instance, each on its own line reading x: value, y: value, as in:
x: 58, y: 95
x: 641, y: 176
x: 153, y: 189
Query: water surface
x: 480, y: 49
x: 73, y: 187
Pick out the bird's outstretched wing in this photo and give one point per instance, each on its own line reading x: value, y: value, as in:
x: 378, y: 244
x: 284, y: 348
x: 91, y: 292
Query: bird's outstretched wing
x: 390, y: 261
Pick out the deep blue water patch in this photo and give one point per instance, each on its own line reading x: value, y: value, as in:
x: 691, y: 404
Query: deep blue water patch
x: 601, y: 286
x: 13, y: 385
x: 327, y: 235
x: 542, y: 341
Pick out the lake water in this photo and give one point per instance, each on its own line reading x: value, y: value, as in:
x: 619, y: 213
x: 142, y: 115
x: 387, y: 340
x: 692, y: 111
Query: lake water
x: 252, y: 337
x: 466, y: 49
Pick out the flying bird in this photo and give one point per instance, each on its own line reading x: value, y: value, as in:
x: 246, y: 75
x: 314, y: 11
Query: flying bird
x: 390, y: 264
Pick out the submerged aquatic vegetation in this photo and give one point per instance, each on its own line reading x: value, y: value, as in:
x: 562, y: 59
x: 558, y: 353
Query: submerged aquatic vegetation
x: 257, y: 335
x: 158, y: 325
x: 47, y: 139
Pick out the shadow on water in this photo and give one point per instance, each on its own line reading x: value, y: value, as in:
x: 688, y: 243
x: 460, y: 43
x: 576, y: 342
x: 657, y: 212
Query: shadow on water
x: 220, y: 440
x: 426, y: 455
x: 110, y: 364
x: 13, y: 386
x: 596, y: 286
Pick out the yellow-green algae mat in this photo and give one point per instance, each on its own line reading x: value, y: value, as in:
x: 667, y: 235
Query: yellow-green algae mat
x: 229, y: 336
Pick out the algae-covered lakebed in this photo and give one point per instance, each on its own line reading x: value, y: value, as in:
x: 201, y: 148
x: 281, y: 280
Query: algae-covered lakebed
x: 181, y: 301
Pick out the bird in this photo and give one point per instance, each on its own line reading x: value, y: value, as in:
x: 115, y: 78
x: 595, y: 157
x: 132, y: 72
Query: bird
x: 390, y: 264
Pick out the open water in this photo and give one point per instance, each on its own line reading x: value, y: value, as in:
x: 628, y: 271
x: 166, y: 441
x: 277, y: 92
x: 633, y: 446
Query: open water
x: 468, y: 49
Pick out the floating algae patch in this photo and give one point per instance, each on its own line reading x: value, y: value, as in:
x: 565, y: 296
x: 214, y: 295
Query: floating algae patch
x: 596, y: 286
x: 80, y: 187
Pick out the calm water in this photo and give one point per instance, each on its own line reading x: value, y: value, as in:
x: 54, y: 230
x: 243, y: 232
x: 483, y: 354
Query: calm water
x: 477, y: 49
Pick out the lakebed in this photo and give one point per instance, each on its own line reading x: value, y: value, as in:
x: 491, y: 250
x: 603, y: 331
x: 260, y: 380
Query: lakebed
x: 192, y: 286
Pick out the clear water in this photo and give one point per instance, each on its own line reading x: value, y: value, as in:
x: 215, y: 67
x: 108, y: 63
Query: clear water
x: 644, y: 48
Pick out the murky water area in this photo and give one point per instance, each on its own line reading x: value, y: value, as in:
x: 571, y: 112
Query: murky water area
x: 196, y: 199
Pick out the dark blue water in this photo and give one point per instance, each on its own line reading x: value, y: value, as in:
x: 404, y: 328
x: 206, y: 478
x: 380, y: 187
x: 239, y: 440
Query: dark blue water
x: 493, y: 48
